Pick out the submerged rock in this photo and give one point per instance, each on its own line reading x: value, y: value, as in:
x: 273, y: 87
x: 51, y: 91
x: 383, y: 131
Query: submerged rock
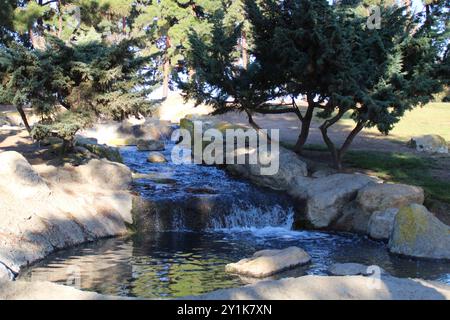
x: 150, y: 145
x: 156, y: 157
x: 381, y: 224
x: 418, y: 233
x: 354, y: 269
x: 431, y: 143
x: 268, y: 262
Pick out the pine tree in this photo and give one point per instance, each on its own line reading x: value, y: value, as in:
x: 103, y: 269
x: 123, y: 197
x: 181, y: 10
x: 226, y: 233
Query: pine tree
x: 219, y: 79
x: 299, y: 43
x: 89, y: 81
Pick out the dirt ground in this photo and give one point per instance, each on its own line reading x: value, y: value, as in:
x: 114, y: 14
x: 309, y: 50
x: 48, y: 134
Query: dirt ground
x: 289, y: 126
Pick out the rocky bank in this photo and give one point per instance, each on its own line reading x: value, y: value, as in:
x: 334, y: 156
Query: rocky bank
x: 45, y: 208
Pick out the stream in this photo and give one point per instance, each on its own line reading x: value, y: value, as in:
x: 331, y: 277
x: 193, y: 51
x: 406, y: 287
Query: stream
x: 195, y: 220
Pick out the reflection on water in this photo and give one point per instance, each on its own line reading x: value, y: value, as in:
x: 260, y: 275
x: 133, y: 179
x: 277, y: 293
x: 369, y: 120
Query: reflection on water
x: 176, y: 264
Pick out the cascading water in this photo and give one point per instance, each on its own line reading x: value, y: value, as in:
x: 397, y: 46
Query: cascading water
x: 197, y: 198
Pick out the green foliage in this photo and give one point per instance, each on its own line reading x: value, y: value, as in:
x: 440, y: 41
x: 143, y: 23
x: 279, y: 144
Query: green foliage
x: 91, y: 80
x: 65, y: 125
x: 218, y: 80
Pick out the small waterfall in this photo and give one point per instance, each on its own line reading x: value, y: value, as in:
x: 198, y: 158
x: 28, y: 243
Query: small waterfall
x: 198, y: 198
x: 253, y: 217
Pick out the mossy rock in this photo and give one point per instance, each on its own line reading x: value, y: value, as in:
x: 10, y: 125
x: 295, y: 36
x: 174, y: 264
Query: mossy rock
x: 104, y: 151
x: 418, y: 233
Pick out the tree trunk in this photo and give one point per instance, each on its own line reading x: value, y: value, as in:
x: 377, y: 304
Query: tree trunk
x: 32, y: 38
x: 60, y: 21
x: 244, y: 50
x: 306, y: 125
x: 166, y: 70
x: 331, y: 147
x: 124, y: 25
x: 24, y: 118
x: 166, y: 78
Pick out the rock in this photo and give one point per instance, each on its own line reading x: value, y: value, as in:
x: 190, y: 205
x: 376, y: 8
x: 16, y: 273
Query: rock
x: 268, y: 262
x: 83, y: 141
x: 104, y: 173
x: 4, y: 121
x: 418, y: 233
x: 44, y: 290
x: 156, y: 157
x: 60, y: 207
x: 431, y: 143
x: 51, y: 141
x: 5, y: 273
x: 150, y: 145
x: 17, y: 176
x: 104, y: 151
x: 381, y: 224
x: 383, y: 196
x: 334, y: 288
x: 326, y: 197
x: 85, y: 153
x: 354, y: 269
x: 291, y: 166
x: 321, y: 173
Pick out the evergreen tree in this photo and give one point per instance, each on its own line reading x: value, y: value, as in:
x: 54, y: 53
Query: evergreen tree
x: 394, y: 70
x: 219, y: 80
x: 300, y: 46
x: 89, y: 81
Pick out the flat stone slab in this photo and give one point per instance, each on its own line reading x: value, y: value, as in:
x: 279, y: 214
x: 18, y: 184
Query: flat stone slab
x: 334, y: 288
x: 269, y: 262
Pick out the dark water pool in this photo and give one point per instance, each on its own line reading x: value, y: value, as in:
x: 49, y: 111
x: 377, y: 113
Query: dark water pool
x: 176, y: 264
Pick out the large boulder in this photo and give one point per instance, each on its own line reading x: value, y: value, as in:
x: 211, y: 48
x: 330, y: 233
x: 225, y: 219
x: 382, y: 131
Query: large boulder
x: 377, y: 197
x: 104, y: 151
x: 381, y: 224
x: 291, y: 166
x: 17, y: 175
x: 386, y: 195
x: 104, y: 173
x: 431, y: 143
x: 5, y: 273
x: 418, y: 233
x: 86, y: 202
x: 268, y: 262
x: 326, y: 197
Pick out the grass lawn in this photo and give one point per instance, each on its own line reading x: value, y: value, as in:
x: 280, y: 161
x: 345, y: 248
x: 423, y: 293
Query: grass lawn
x: 434, y: 118
x: 402, y: 168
